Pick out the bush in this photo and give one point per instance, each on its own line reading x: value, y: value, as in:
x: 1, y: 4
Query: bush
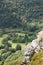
x: 18, y: 47
x: 9, y: 45
x: 5, y: 55
x: 6, y: 44
x: 12, y: 50
x: 1, y: 46
x: 0, y: 58
x: 3, y: 51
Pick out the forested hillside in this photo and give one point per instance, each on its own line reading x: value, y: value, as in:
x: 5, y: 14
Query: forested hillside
x: 21, y: 14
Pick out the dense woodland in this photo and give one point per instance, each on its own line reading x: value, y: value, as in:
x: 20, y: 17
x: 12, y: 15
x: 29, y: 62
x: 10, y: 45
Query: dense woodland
x: 21, y: 14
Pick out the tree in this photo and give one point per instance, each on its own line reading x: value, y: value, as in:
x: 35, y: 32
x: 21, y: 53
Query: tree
x: 6, y: 44
x: 26, y: 39
x: 18, y: 47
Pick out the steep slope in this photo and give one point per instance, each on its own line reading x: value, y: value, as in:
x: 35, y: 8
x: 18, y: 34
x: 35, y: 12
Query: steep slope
x: 37, y: 59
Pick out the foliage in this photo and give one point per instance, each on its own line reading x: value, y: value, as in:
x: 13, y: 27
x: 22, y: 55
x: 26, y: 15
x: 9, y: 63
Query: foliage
x: 1, y: 46
x: 6, y: 43
x: 37, y: 59
x: 21, y: 14
x: 13, y: 50
x: 15, y: 58
x: 18, y: 47
x: 25, y: 17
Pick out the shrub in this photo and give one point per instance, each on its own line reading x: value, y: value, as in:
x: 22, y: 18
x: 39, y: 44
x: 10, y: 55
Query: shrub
x: 18, y: 47
x: 12, y: 50
x: 3, y: 51
x: 6, y: 44
x: 1, y: 46
x: 5, y: 55
x: 0, y: 58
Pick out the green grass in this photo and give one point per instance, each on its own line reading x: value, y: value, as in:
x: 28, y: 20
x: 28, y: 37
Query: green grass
x: 1, y: 51
x: 15, y: 58
x: 1, y: 38
x: 0, y: 62
x: 22, y: 34
x: 15, y: 44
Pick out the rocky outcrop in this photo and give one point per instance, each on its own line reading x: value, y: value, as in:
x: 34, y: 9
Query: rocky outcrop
x: 30, y: 49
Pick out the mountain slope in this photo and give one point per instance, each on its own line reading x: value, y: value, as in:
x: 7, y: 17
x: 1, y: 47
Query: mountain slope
x: 37, y: 59
x: 20, y: 13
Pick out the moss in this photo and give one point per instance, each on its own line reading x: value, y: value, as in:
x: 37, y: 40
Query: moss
x: 37, y: 59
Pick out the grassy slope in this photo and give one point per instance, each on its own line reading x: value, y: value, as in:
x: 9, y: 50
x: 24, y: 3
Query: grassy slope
x: 14, y: 44
x: 14, y: 59
x: 37, y: 59
x: 17, y: 58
